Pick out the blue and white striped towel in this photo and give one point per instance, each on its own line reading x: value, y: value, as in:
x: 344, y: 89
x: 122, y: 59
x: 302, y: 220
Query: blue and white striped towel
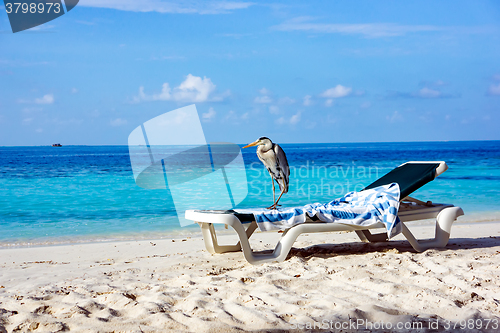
x: 363, y: 208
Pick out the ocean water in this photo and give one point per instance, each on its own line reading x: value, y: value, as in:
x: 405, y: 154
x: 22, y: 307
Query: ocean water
x: 88, y: 193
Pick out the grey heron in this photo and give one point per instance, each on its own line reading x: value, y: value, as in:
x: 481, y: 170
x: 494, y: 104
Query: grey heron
x: 274, y: 159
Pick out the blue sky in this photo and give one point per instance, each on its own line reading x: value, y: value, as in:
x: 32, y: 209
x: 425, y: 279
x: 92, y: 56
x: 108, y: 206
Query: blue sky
x: 296, y: 71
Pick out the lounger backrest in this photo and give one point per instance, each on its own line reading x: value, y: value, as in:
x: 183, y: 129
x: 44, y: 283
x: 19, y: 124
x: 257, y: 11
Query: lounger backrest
x: 410, y: 177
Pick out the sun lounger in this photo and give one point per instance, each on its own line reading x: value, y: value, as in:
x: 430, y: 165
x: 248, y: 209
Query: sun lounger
x: 409, y: 176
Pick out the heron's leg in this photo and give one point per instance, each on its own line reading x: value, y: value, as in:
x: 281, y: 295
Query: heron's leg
x: 272, y: 181
x: 276, y: 202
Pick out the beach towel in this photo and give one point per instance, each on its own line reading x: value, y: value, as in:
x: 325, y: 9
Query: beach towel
x: 363, y: 208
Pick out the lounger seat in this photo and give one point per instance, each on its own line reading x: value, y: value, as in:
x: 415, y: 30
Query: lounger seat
x: 409, y: 176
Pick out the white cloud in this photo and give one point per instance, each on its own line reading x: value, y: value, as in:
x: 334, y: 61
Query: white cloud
x: 331, y: 119
x: 365, y: 105
x: 329, y: 102
x: 286, y: 100
x: 234, y: 118
x: 193, y: 89
x: 171, y: 6
x: 118, y: 122
x: 265, y: 91
x: 235, y: 36
x: 161, y: 58
x: 163, y: 96
x: 74, y: 90
x: 494, y: 90
x: 22, y: 63
x: 439, y: 83
x: 429, y: 93
x: 265, y: 98
x: 436, y: 83
x: 395, y: 117
x: 293, y: 120
x: 28, y: 120
x: 46, y: 99
x: 274, y: 109
x: 310, y: 124
x: 370, y: 30
x: 43, y: 27
x: 85, y: 22
x: 66, y: 122
x: 337, y: 92
x: 29, y: 110
x: 424, y: 93
x: 280, y: 121
x: 307, y: 100
x: 208, y: 116
x: 231, y: 115
x: 427, y: 117
x: 468, y: 120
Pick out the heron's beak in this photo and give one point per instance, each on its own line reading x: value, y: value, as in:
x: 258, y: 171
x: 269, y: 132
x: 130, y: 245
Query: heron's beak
x: 252, y: 144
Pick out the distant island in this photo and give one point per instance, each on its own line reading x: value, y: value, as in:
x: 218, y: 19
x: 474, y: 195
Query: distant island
x: 56, y: 145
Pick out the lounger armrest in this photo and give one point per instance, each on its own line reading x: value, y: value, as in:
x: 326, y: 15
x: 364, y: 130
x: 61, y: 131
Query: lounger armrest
x: 216, y: 217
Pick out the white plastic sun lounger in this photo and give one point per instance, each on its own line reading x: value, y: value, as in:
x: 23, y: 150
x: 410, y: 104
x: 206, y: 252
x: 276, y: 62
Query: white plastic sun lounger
x: 410, y: 176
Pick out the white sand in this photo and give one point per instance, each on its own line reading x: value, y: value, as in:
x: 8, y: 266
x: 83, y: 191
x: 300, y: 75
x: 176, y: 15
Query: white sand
x: 161, y: 286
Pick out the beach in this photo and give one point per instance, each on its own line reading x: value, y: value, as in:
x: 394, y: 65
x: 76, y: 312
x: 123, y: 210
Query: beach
x: 90, y: 251
x: 329, y: 282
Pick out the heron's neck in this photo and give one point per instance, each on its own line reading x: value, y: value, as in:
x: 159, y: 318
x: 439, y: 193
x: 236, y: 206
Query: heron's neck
x: 266, y: 147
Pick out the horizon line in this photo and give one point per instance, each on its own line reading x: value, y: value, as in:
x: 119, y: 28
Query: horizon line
x: 285, y: 143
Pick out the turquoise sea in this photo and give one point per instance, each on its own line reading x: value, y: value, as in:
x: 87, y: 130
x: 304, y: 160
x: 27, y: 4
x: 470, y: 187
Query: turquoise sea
x: 52, y: 195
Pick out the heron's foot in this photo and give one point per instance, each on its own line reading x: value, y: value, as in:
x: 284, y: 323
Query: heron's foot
x: 273, y: 206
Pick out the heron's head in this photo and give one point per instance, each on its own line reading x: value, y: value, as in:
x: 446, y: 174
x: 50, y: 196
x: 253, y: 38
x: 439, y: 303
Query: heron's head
x: 263, y: 140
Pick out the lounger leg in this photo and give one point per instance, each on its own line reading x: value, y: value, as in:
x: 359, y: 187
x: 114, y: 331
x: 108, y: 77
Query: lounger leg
x: 212, y: 246
x: 280, y: 251
x: 444, y: 221
x: 279, y: 254
x: 367, y: 237
x: 210, y: 238
x: 284, y: 245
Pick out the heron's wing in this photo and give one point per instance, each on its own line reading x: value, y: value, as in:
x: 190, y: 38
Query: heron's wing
x: 283, y: 168
x: 269, y: 160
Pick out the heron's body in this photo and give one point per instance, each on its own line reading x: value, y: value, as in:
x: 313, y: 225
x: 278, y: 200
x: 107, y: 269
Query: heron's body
x: 274, y: 159
x: 278, y: 170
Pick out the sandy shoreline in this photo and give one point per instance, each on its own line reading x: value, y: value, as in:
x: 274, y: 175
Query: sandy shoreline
x: 165, y: 285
